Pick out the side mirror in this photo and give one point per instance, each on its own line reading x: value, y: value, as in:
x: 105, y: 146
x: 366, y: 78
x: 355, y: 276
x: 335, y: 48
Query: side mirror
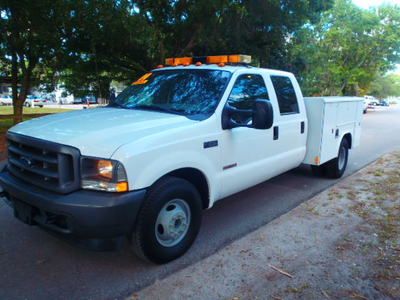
x: 263, y: 114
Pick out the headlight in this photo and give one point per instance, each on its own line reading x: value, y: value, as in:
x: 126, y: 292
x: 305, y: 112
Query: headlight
x: 103, y: 175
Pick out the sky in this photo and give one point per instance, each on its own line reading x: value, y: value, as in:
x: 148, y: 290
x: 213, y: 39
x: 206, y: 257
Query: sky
x: 369, y: 3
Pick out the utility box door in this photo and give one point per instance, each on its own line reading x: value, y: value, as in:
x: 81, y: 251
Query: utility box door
x: 329, y: 119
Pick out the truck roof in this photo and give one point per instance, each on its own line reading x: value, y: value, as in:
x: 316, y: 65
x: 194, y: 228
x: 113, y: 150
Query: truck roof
x: 229, y: 68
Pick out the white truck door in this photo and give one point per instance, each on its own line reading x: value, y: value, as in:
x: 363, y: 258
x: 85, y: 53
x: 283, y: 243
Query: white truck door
x: 248, y: 155
x: 290, y: 131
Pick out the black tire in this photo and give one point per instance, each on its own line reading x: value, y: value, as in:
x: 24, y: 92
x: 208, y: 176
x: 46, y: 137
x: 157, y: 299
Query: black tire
x: 144, y: 239
x: 336, y: 167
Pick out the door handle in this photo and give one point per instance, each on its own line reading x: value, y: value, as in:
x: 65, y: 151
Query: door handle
x: 276, y: 133
x: 302, y: 127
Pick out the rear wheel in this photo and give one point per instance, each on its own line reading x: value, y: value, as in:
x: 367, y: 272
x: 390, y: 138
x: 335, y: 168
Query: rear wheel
x: 336, y: 167
x: 168, y: 221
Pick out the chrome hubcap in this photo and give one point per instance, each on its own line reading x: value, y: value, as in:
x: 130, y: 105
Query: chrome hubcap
x: 342, y: 157
x: 172, y: 222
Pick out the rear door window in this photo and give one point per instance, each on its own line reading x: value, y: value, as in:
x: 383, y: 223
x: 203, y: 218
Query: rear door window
x: 286, y: 95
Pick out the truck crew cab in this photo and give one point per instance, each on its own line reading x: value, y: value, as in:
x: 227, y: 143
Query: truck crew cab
x: 172, y: 144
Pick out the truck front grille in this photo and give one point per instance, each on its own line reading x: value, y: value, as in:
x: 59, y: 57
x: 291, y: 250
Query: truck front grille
x: 45, y: 164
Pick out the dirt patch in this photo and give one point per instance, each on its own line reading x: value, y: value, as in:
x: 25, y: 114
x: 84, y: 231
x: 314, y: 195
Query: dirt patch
x: 342, y: 244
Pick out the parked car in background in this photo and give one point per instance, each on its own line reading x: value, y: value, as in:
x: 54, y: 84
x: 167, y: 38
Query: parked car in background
x: 5, y: 100
x: 365, y: 107
x: 49, y: 97
x: 78, y: 101
x: 35, y: 101
x: 65, y: 99
x: 383, y: 103
x: 372, y: 101
x: 85, y: 100
x: 91, y: 99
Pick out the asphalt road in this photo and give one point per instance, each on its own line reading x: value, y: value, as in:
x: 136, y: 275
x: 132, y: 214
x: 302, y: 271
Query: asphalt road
x: 36, y: 265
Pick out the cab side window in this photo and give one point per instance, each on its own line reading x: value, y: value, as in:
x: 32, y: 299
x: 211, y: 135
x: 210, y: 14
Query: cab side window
x: 286, y: 95
x: 246, y: 90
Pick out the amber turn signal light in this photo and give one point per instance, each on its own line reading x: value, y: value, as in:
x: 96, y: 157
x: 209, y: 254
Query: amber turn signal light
x: 121, y: 187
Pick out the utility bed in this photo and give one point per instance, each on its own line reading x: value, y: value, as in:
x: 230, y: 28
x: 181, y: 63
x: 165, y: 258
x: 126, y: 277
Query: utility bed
x: 328, y: 119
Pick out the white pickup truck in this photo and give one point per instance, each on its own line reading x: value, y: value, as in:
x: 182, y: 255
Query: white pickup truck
x: 172, y: 144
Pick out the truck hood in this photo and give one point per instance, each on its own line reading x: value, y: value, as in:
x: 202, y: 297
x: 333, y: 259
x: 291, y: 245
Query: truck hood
x: 100, y: 131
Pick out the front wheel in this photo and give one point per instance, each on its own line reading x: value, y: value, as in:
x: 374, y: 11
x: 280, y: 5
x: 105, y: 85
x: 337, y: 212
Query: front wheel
x: 336, y: 167
x: 168, y: 221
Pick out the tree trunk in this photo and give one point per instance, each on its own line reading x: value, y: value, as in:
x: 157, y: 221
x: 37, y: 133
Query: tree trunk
x: 162, y: 51
x: 17, y: 114
x: 104, y: 90
x: 343, y: 88
x: 19, y: 100
x: 18, y: 110
x: 356, y: 90
x: 351, y: 90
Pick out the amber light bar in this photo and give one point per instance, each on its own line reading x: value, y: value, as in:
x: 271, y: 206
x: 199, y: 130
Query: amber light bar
x: 176, y: 61
x: 229, y: 59
x: 214, y: 59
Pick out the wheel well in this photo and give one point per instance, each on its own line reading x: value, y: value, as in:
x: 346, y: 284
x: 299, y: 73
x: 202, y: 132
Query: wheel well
x: 196, y: 178
x: 347, y: 136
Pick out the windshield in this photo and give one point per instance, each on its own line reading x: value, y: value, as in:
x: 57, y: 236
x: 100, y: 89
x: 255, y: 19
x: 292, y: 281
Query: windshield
x: 193, y: 93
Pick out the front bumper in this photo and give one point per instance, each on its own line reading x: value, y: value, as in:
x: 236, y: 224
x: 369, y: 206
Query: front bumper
x: 80, y: 214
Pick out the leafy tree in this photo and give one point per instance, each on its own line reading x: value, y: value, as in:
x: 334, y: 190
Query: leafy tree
x: 113, y: 40
x: 385, y: 86
x: 108, y: 41
x: 30, y: 38
x: 84, y: 44
x: 260, y: 28
x: 347, y: 49
x: 87, y: 44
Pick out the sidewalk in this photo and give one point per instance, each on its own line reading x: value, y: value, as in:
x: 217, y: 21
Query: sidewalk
x: 342, y: 244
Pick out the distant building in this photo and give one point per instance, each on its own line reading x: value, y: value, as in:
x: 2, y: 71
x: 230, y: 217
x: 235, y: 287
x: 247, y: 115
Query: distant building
x: 5, y: 86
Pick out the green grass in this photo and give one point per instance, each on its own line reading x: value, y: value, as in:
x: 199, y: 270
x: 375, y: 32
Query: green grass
x: 7, y: 123
x: 6, y: 118
x: 8, y: 110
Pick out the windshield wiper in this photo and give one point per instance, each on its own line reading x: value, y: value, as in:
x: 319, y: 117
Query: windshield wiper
x: 159, y: 108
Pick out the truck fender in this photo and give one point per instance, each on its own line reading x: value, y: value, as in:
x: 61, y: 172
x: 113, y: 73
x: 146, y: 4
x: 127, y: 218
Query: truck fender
x: 346, y: 135
x: 168, y: 163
